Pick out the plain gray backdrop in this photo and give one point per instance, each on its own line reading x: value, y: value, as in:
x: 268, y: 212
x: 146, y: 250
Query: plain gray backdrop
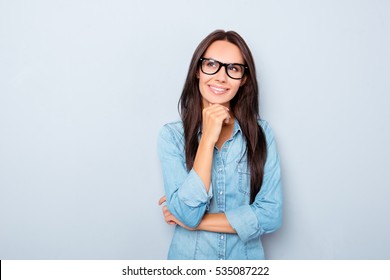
x: 86, y: 85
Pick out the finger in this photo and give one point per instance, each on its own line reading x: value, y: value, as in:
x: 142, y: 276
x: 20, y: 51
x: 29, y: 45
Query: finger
x: 217, y: 106
x: 227, y: 120
x: 170, y: 219
x: 213, y: 112
x: 221, y: 115
x: 162, y: 200
x: 167, y: 214
x: 166, y: 211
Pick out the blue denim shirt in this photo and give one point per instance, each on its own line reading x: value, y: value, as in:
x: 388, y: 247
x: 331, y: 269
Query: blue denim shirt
x: 188, y: 200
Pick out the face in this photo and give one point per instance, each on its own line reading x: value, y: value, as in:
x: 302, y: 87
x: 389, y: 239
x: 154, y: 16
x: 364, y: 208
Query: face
x: 219, y: 88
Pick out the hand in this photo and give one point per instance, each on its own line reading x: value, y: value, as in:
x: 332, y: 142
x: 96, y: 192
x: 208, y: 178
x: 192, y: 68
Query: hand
x: 169, y: 217
x: 214, y: 117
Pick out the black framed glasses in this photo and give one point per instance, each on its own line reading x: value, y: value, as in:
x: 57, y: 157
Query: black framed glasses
x: 211, y: 66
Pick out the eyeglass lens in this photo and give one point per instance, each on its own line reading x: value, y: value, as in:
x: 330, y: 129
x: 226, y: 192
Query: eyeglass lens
x: 233, y: 70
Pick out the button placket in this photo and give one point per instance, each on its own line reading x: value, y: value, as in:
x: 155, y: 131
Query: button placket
x: 221, y: 200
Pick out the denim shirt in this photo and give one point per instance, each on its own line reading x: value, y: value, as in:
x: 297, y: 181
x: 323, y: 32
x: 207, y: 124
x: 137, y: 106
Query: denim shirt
x: 229, y: 193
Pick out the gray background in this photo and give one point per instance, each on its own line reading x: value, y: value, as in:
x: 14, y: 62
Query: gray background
x: 86, y: 85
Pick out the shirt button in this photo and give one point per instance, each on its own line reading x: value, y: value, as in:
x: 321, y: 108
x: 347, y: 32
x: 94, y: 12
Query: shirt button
x: 221, y: 192
x: 221, y: 236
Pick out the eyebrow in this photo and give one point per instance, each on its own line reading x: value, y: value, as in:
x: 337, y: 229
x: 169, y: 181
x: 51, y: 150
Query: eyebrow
x: 224, y: 62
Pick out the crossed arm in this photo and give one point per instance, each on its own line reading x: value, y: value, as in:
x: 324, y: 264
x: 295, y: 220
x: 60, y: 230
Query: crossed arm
x: 210, y: 222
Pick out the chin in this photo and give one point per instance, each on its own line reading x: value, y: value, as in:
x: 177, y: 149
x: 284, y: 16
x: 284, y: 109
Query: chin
x: 217, y: 101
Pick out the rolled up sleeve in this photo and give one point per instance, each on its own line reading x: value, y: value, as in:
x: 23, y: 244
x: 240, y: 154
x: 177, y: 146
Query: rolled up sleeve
x: 186, y: 194
x: 264, y: 215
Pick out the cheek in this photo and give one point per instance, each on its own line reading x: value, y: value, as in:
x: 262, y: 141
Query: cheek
x: 236, y: 87
x: 203, y: 78
x: 202, y: 83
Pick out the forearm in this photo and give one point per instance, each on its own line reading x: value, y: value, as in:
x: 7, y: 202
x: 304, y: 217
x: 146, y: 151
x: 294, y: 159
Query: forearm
x: 213, y: 118
x: 203, y: 161
x: 215, y: 222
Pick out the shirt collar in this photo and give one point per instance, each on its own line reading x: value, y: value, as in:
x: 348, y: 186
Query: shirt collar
x: 237, y: 127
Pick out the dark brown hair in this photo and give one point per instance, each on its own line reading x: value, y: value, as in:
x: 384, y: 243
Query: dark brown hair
x: 245, y: 107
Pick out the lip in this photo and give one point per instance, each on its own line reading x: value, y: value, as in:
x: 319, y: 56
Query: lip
x: 218, y: 90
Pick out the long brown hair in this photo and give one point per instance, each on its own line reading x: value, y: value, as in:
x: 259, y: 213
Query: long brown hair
x: 245, y: 107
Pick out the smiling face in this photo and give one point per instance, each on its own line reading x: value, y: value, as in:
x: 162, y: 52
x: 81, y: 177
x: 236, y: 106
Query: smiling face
x: 219, y: 88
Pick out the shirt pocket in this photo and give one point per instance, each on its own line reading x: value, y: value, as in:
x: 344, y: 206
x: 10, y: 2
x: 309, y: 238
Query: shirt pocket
x: 244, y: 177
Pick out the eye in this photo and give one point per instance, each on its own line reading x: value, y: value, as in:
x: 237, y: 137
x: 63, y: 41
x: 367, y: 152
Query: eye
x: 211, y: 63
x: 234, y: 68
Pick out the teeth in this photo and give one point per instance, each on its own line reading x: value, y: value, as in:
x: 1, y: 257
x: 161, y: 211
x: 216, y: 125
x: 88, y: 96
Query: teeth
x: 220, y: 90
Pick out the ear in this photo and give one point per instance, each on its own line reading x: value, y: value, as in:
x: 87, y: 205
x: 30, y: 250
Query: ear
x: 243, y: 81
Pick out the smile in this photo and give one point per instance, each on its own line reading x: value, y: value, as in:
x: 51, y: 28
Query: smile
x: 218, y: 90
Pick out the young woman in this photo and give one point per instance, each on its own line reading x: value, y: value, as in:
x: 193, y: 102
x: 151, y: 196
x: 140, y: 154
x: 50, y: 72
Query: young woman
x: 220, y: 164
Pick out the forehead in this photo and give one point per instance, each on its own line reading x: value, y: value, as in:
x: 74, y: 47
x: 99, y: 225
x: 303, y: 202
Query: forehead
x: 224, y: 51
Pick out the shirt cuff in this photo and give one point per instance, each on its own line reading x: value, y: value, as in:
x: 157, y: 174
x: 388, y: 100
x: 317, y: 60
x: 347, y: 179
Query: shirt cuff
x: 244, y: 222
x: 193, y: 191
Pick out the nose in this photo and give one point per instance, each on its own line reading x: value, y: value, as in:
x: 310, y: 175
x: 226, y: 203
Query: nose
x: 221, y: 75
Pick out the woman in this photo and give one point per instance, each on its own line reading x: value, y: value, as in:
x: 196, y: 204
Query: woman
x: 220, y: 164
